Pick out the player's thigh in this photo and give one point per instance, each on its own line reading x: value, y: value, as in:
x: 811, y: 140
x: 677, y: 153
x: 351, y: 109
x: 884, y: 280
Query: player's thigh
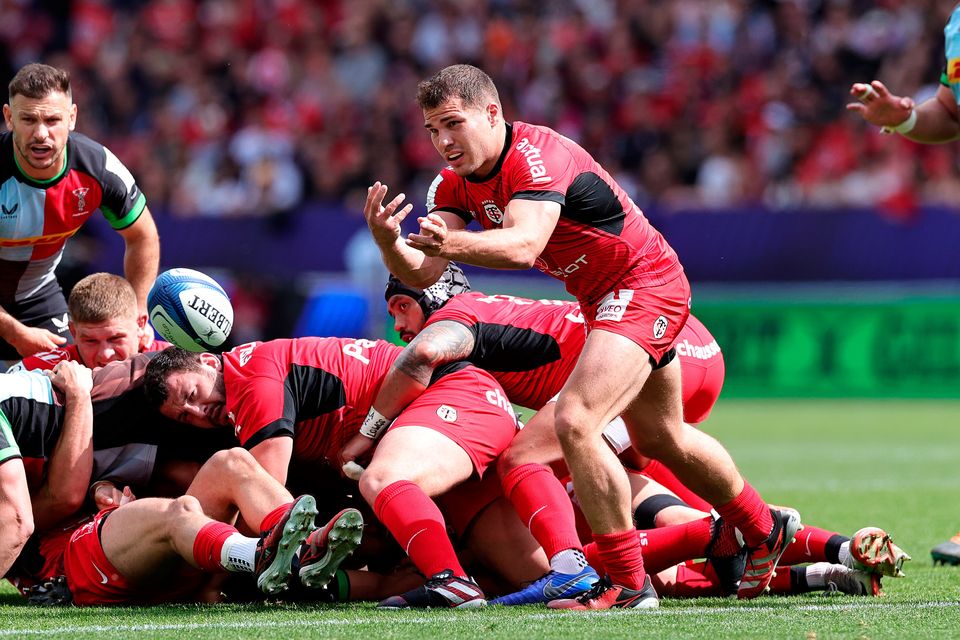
x: 655, y: 417
x: 609, y: 375
x: 420, y: 455
x: 136, y: 538
x: 536, y: 443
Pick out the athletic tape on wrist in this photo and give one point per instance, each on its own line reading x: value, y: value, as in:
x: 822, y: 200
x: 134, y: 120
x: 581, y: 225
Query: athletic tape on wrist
x: 374, y: 424
x: 904, y: 127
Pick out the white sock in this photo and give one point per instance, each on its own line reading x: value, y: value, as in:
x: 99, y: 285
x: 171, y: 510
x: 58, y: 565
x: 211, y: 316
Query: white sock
x: 815, y: 575
x: 843, y: 555
x: 568, y: 561
x: 238, y: 553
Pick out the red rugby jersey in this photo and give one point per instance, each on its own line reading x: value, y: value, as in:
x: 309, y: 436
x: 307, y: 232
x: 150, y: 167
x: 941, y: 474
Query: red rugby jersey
x: 530, y: 346
x: 602, y: 240
x: 315, y: 390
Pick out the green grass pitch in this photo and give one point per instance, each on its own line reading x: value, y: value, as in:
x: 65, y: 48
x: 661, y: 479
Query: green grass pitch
x: 843, y: 464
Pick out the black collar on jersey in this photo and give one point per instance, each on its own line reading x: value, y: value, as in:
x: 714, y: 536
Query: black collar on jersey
x: 507, y: 141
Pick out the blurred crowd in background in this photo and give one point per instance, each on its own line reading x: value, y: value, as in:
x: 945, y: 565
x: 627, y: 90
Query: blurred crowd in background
x: 253, y: 107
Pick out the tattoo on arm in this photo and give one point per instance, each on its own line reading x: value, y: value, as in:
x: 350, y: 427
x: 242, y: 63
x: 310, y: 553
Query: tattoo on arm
x: 440, y: 343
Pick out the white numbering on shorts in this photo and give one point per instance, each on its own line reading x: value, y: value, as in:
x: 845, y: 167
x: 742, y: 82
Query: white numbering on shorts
x: 356, y: 349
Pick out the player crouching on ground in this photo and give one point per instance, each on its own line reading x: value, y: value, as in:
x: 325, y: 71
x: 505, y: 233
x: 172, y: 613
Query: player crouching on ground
x: 298, y: 401
x: 156, y: 550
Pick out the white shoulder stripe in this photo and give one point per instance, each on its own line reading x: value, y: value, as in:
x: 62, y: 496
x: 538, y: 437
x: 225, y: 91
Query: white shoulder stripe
x: 432, y: 192
x: 116, y: 167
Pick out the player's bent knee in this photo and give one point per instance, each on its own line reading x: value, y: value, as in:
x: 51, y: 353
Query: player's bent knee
x: 231, y: 461
x: 374, y: 480
x: 575, y: 429
x: 184, y: 505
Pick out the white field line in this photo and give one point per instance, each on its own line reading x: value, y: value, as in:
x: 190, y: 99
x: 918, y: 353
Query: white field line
x: 454, y: 617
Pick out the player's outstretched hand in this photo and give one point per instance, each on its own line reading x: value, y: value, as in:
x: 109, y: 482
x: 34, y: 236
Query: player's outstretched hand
x: 433, y: 234
x: 384, y: 220
x: 72, y: 378
x: 878, y: 106
x: 31, y: 340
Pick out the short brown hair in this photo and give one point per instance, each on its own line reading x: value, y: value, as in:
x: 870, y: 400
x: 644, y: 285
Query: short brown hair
x: 101, y: 297
x: 464, y: 81
x: 37, y: 81
x: 166, y: 363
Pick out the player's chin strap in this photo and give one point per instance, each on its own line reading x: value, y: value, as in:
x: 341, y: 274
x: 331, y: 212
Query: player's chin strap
x: 52, y: 593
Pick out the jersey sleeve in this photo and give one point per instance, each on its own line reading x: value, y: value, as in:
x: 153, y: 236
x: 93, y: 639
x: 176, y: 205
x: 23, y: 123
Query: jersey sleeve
x: 44, y: 361
x: 442, y: 196
x: 459, y: 310
x: 263, y: 411
x: 540, y: 169
x: 123, y: 202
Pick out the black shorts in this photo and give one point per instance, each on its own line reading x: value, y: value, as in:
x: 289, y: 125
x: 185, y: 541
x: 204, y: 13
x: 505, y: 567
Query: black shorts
x: 48, y: 310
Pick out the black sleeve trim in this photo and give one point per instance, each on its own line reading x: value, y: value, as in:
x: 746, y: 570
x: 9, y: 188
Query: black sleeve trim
x: 276, y: 429
x: 447, y: 369
x: 540, y: 196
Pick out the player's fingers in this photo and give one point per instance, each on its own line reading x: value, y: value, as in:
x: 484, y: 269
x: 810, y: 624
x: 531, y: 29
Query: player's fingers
x: 879, y: 88
x: 391, y: 208
x: 436, y: 219
x: 375, y: 195
x: 401, y: 215
x: 428, y: 227
x: 865, y: 92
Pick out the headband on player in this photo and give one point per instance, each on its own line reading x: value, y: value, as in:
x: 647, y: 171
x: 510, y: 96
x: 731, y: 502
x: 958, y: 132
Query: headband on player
x: 452, y: 282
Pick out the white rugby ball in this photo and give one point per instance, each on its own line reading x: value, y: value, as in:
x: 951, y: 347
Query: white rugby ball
x: 189, y: 309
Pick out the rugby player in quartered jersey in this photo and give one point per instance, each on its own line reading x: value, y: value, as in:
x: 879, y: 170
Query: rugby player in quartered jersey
x: 51, y: 181
x: 129, y: 440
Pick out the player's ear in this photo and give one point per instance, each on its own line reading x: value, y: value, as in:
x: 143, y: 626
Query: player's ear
x: 73, y: 116
x: 210, y: 360
x: 493, y: 113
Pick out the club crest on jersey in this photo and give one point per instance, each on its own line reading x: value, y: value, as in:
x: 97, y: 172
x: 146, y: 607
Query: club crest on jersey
x: 81, y: 193
x: 659, y: 327
x: 614, y: 304
x: 493, y: 212
x: 953, y: 69
x: 447, y: 413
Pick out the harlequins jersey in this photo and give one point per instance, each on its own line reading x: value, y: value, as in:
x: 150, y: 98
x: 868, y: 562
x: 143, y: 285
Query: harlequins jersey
x: 38, y: 216
x: 602, y: 241
x: 47, y: 360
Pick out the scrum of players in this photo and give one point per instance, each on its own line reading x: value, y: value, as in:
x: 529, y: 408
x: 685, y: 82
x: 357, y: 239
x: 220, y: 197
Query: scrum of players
x: 169, y: 476
x: 165, y: 475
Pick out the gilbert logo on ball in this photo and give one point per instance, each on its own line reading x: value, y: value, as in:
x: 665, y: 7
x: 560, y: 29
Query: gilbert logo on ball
x: 190, y: 309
